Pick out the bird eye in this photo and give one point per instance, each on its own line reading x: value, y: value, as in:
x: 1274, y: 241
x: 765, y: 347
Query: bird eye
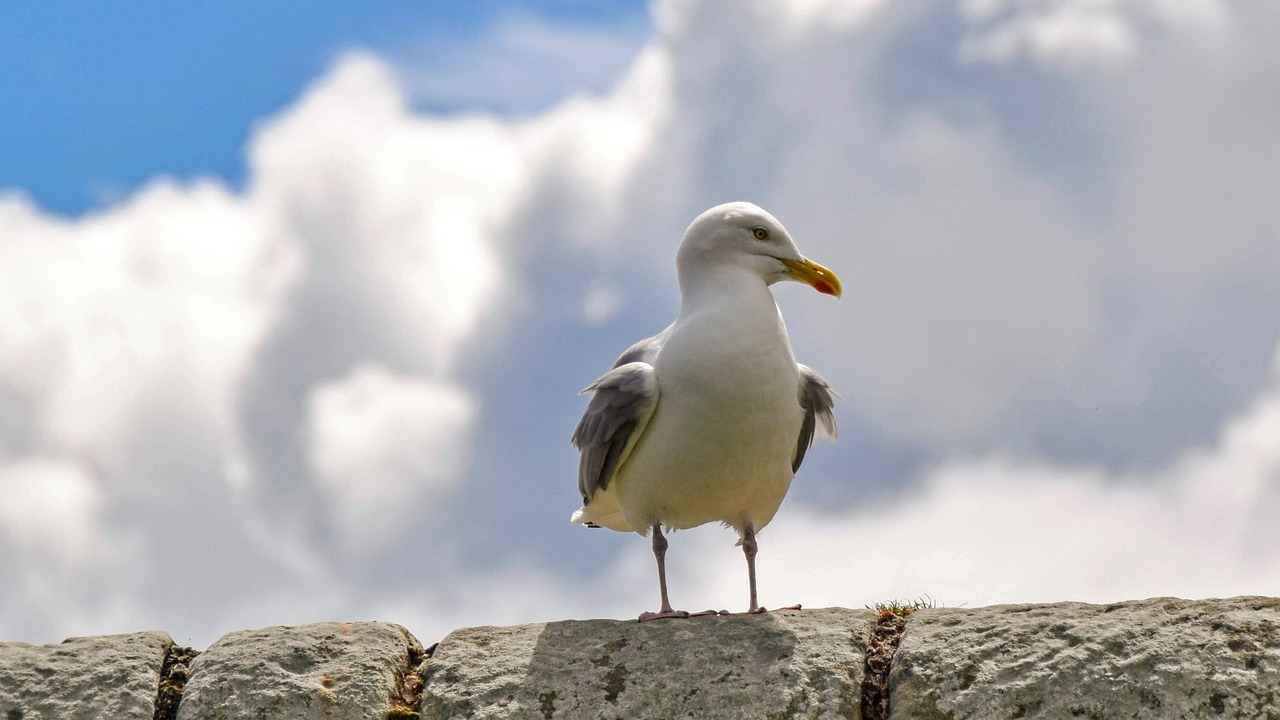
x: 760, y: 233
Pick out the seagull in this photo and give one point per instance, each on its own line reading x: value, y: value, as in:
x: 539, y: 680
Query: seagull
x: 708, y: 420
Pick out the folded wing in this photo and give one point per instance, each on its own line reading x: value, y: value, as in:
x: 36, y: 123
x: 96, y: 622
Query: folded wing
x: 817, y: 400
x: 622, y: 401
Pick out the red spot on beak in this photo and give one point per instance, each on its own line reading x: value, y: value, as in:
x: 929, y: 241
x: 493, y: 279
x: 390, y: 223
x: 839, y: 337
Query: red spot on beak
x: 824, y: 287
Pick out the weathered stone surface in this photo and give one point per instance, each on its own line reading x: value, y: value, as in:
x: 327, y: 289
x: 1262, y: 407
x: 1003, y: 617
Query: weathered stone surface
x: 110, y: 677
x: 326, y: 671
x: 788, y: 664
x: 1160, y: 658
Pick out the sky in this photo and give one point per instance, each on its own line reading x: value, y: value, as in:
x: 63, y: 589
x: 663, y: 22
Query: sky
x: 297, y: 300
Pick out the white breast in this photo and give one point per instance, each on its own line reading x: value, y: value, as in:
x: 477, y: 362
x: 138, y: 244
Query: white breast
x: 720, y: 444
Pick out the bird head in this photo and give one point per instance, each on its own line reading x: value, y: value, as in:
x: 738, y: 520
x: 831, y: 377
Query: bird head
x: 740, y: 234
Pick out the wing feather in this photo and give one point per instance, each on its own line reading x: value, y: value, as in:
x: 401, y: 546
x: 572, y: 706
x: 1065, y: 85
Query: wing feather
x: 817, y: 399
x: 622, y: 401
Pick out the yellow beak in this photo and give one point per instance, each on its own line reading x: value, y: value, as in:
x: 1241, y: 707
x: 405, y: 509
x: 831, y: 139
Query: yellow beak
x: 811, y: 273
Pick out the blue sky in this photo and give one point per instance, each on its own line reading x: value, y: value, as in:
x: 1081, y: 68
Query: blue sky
x: 100, y: 98
x: 297, y: 303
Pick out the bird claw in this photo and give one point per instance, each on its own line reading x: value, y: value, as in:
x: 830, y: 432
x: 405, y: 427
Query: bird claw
x: 663, y: 615
x: 705, y: 613
x: 762, y: 611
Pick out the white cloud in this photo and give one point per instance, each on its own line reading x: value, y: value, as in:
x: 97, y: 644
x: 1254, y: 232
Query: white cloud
x: 384, y: 447
x: 842, y: 14
x: 1030, y: 258
x: 1080, y: 33
x: 996, y: 529
x: 601, y: 304
x: 1018, y: 248
x: 108, y: 316
x: 51, y: 510
x: 519, y: 64
x: 279, y: 366
x: 978, y: 531
x: 1067, y: 33
x: 406, y: 207
x: 138, y: 339
x: 958, y: 309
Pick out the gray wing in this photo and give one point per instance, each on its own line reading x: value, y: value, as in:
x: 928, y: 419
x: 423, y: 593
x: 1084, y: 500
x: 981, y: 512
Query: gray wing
x: 817, y: 400
x: 622, y: 401
x: 644, y: 351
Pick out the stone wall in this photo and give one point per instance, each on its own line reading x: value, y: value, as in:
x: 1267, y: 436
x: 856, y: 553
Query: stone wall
x: 1162, y: 658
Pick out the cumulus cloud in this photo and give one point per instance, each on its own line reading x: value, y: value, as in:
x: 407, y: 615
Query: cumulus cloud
x: 1059, y: 274
x: 999, y: 529
x: 979, y: 530
x: 1022, y: 248
x: 1038, y: 264
x: 146, y: 343
x: 276, y: 376
x: 51, y: 510
x: 1076, y: 34
x: 383, y: 447
x: 518, y: 65
x: 157, y: 303
x: 401, y: 211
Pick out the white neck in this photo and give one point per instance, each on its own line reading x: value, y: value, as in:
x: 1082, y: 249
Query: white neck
x: 722, y: 284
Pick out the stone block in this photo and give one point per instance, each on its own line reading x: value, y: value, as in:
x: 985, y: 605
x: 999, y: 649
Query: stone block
x: 325, y: 671
x: 782, y: 665
x: 1156, y: 659
x: 108, y: 677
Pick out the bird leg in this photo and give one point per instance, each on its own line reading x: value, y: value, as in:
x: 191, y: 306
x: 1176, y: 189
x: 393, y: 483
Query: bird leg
x: 660, y: 554
x: 749, y: 550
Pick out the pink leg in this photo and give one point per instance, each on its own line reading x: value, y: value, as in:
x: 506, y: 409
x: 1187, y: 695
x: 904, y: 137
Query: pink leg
x: 749, y: 550
x: 660, y: 554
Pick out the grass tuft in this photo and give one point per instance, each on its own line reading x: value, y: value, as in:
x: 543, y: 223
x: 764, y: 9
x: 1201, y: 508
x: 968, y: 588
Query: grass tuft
x: 903, y: 608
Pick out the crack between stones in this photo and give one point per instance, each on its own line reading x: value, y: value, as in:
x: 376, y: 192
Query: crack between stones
x: 174, y: 671
x: 406, y: 697
x: 883, y: 644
